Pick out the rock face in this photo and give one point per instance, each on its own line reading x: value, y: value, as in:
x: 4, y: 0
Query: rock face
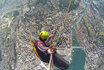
x: 24, y: 22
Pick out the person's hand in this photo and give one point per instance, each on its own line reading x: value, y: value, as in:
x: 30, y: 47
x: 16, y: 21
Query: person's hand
x: 54, y: 43
x: 52, y: 32
x: 51, y: 35
x: 49, y: 51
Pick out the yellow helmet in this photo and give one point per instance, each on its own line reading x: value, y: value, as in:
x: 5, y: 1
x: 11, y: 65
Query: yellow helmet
x: 44, y: 35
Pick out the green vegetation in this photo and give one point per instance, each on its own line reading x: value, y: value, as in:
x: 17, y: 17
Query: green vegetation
x: 90, y: 31
x: 2, y: 21
x: 86, y: 20
x: 16, y: 13
x: 101, y: 33
x: 5, y: 29
x: 15, y: 5
x: 11, y: 18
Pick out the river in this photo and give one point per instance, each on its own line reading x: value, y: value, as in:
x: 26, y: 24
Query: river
x: 78, y: 58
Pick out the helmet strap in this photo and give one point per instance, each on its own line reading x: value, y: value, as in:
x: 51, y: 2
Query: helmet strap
x: 42, y: 39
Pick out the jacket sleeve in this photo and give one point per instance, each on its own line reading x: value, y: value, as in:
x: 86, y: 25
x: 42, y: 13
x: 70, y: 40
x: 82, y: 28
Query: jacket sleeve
x: 42, y: 47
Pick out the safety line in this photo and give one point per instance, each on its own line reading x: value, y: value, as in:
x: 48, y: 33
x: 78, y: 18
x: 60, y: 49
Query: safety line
x: 92, y: 8
x: 88, y: 21
x: 97, y: 12
x: 71, y: 34
x: 51, y: 62
x: 64, y: 18
x: 67, y: 12
x: 92, y: 24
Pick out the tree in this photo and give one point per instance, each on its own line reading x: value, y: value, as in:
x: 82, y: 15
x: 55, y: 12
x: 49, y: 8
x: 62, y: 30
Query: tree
x: 16, y: 13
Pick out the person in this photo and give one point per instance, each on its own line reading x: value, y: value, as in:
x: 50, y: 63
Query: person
x: 44, y: 46
x: 43, y: 42
x: 44, y: 50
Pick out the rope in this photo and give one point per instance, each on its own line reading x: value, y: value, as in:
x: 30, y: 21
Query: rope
x: 51, y: 63
x: 43, y: 65
x: 67, y: 11
x: 63, y: 20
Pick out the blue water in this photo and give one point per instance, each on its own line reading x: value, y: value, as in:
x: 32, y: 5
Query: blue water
x: 78, y: 58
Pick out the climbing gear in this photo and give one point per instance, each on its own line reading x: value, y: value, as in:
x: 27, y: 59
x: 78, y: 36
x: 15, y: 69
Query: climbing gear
x: 53, y: 49
x: 44, y: 35
x: 51, y: 63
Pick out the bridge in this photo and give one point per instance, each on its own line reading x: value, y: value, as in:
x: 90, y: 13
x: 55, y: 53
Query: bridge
x: 73, y: 47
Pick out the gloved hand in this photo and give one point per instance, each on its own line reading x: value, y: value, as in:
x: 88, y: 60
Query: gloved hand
x: 54, y: 43
x: 51, y: 35
x: 49, y: 51
x: 52, y: 50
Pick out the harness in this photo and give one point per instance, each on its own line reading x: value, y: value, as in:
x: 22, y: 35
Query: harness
x: 35, y: 48
x: 41, y: 55
x: 40, y: 48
